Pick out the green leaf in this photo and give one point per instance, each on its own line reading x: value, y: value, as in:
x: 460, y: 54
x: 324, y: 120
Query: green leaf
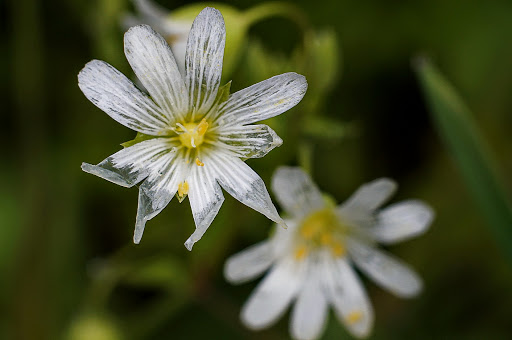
x: 469, y: 150
x: 139, y: 138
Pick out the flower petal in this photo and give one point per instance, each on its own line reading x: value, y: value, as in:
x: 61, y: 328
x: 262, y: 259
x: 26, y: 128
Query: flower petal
x: 241, y: 182
x: 348, y: 296
x: 251, y: 141
x: 159, y: 189
x: 402, y: 221
x: 273, y: 295
x: 263, y: 100
x: 310, y: 311
x: 249, y: 263
x: 296, y: 192
x: 205, y: 196
x: 131, y: 165
x: 388, y: 272
x: 153, y: 63
x: 370, y: 196
x: 203, y: 59
x: 117, y: 96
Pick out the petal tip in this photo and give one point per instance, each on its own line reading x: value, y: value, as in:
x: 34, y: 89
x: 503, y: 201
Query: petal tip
x: 189, y: 244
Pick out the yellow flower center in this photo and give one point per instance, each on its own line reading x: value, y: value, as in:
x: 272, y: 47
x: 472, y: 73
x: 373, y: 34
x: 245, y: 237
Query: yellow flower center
x: 192, y: 134
x: 321, y: 228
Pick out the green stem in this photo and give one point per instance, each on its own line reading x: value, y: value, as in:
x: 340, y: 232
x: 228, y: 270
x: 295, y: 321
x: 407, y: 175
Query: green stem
x: 272, y: 9
x: 305, y: 155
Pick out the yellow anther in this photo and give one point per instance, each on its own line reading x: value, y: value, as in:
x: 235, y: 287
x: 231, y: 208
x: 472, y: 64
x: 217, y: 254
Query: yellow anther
x: 182, y: 190
x: 191, y: 134
x: 172, y: 38
x: 202, y: 127
x: 199, y: 163
x: 301, y: 252
x: 338, y: 249
x: 354, y: 317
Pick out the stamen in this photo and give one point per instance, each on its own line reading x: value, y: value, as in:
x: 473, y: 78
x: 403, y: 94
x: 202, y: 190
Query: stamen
x: 202, y: 127
x: 182, y: 190
x: 198, y: 162
x: 182, y: 127
x: 301, y: 252
x: 187, y: 156
x: 192, y: 142
x: 354, y: 317
x: 338, y: 249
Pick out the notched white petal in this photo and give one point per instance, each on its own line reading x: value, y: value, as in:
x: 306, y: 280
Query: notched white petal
x: 129, y: 166
x: 251, y: 141
x: 273, y: 295
x: 387, y: 271
x: 370, y: 196
x: 263, y: 100
x: 249, y: 263
x: 241, y: 182
x: 203, y: 59
x: 348, y: 296
x: 310, y: 310
x: 117, y: 96
x: 296, y: 191
x: 158, y: 190
x: 205, y: 197
x: 153, y: 63
x: 402, y: 221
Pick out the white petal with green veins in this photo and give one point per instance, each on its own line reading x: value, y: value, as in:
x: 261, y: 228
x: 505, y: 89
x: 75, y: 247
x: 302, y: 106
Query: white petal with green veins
x: 117, y: 96
x: 203, y: 59
x: 153, y: 63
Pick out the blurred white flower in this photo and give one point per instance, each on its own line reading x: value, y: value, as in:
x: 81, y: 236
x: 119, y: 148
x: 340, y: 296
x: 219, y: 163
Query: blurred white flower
x: 175, y: 31
x: 193, y: 133
x: 311, y: 261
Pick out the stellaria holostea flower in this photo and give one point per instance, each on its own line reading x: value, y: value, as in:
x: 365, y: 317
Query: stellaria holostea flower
x: 312, y: 260
x: 175, y: 31
x: 193, y: 133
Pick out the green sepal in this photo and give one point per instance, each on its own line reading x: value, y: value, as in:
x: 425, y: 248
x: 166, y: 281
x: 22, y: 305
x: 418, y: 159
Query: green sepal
x: 330, y: 201
x: 139, y: 138
x: 223, y: 93
x: 180, y: 198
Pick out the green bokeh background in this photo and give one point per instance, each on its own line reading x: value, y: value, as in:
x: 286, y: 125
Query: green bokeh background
x: 69, y: 268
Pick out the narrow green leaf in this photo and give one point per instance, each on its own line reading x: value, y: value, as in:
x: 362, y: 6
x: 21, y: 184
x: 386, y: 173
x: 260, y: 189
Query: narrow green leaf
x: 469, y: 150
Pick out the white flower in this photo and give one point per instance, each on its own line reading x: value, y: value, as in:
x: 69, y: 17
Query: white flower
x: 311, y: 261
x: 193, y: 133
x: 174, y: 31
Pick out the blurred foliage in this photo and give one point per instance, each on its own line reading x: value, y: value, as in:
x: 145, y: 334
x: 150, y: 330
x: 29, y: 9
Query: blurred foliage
x: 70, y: 269
x: 469, y: 149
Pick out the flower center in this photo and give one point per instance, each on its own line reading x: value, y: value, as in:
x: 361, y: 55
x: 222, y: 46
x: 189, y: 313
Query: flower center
x: 321, y: 228
x: 192, y: 134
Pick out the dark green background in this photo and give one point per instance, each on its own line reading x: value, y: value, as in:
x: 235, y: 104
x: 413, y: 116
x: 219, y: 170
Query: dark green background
x: 64, y: 233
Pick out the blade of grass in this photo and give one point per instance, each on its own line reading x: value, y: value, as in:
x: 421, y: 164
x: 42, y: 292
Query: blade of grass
x: 469, y: 150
